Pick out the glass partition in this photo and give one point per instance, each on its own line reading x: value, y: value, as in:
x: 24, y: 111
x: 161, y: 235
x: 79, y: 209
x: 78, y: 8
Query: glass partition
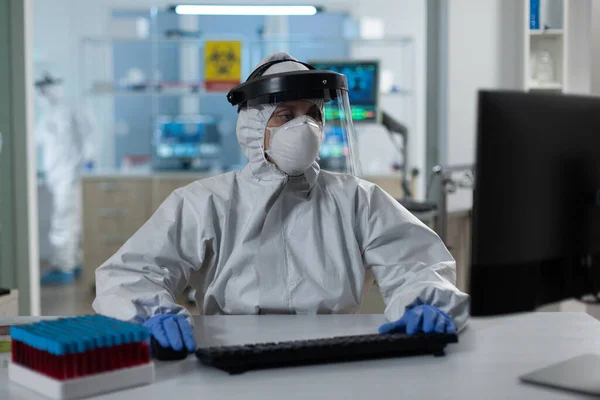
x: 155, y: 108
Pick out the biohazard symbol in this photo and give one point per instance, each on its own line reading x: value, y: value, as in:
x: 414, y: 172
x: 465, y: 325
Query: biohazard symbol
x: 224, y: 60
x: 222, y: 69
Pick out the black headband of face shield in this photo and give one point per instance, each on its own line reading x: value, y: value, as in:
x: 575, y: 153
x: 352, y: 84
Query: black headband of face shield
x: 294, y: 85
x: 263, y: 68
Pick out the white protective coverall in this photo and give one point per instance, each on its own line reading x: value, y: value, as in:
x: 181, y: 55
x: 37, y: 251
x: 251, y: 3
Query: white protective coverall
x: 257, y: 241
x: 65, y: 135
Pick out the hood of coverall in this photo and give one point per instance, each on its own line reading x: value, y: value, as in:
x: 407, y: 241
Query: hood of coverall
x: 252, y: 123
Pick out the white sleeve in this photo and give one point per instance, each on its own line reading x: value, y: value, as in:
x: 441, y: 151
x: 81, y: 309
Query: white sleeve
x: 146, y: 275
x: 408, y: 260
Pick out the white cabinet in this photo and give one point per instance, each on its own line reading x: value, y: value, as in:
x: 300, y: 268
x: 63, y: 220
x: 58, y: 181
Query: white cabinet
x: 114, y: 209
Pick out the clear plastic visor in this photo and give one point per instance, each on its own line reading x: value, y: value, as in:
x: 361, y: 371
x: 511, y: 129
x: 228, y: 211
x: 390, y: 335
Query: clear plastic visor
x: 331, y: 109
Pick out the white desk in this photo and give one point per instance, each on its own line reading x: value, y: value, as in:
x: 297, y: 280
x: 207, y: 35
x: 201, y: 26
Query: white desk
x: 486, y: 364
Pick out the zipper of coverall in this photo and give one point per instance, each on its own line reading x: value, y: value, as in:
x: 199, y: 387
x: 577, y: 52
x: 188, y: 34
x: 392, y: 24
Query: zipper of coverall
x: 285, y: 258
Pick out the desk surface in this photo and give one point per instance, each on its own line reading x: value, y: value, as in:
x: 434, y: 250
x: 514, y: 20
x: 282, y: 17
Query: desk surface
x: 486, y: 364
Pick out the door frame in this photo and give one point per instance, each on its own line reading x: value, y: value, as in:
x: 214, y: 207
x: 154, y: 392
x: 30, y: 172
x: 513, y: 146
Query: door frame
x: 19, y: 260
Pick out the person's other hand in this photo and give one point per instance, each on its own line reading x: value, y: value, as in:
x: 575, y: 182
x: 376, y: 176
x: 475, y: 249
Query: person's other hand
x: 171, y: 330
x: 421, y: 318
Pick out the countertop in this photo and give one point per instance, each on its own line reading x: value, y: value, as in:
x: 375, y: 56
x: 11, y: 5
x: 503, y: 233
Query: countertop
x: 491, y: 355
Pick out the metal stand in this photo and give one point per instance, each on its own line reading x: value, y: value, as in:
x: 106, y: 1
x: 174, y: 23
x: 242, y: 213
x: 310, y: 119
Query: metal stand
x: 449, y: 185
x: 396, y: 127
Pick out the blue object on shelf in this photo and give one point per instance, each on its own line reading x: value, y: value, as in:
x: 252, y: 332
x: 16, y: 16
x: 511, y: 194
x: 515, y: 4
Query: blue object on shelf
x: 534, y: 14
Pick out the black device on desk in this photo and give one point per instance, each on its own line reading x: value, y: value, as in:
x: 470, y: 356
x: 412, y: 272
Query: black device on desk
x: 239, y: 359
x: 536, y: 203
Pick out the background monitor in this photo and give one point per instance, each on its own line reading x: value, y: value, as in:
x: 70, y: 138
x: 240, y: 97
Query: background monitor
x: 334, y: 150
x: 181, y: 140
x: 536, y: 203
x: 363, y: 88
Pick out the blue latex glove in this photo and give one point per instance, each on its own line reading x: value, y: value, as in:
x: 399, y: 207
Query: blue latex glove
x: 421, y: 318
x: 171, y: 330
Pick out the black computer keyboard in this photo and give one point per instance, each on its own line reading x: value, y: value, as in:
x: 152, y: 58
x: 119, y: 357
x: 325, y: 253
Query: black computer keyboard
x: 239, y: 359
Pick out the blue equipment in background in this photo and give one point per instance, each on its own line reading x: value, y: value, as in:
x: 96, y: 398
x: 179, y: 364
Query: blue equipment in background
x: 189, y: 142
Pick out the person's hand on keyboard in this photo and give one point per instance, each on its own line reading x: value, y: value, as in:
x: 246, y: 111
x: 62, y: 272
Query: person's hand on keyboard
x: 172, y: 331
x: 421, y: 318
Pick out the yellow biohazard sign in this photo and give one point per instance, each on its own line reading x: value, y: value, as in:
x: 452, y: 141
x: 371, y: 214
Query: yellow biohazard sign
x: 222, y: 65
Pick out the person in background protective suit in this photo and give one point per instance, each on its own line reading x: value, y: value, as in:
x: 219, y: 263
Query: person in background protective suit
x: 281, y: 236
x: 65, y: 136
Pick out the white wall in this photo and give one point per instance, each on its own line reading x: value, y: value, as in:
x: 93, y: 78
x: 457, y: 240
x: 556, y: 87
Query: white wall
x: 403, y: 18
x: 58, y: 27
x: 579, y: 41
x: 483, y: 53
x: 595, y: 48
x: 51, y: 40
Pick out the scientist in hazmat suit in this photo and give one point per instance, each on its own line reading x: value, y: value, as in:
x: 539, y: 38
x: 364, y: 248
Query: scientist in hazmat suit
x: 64, y: 134
x: 282, y: 236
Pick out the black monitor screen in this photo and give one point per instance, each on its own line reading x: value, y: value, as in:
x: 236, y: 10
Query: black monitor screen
x: 536, y: 204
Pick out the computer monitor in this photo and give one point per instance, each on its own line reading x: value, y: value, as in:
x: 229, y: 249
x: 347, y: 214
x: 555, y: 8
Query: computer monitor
x: 536, y: 202
x: 363, y: 88
x: 334, y: 149
x: 186, y: 141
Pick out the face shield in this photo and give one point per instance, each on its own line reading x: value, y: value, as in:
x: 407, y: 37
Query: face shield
x: 328, y: 93
x: 51, y: 89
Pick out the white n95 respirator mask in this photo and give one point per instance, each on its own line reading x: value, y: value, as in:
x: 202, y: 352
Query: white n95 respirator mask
x: 295, y: 145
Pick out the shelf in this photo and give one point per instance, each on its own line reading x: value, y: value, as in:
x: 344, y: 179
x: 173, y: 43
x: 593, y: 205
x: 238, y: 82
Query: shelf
x: 400, y: 92
x: 293, y: 39
x: 546, y: 86
x: 143, y: 93
x: 546, y: 32
x: 149, y: 93
x: 161, y: 40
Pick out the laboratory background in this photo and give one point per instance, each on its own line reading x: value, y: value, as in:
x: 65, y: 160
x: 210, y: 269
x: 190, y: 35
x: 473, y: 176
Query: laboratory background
x: 119, y: 102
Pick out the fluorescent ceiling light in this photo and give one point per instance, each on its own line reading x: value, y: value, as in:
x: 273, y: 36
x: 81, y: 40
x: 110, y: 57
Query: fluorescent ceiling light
x: 189, y: 9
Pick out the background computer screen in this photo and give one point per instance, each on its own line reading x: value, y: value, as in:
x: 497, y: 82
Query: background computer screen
x: 181, y: 138
x: 362, y: 88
